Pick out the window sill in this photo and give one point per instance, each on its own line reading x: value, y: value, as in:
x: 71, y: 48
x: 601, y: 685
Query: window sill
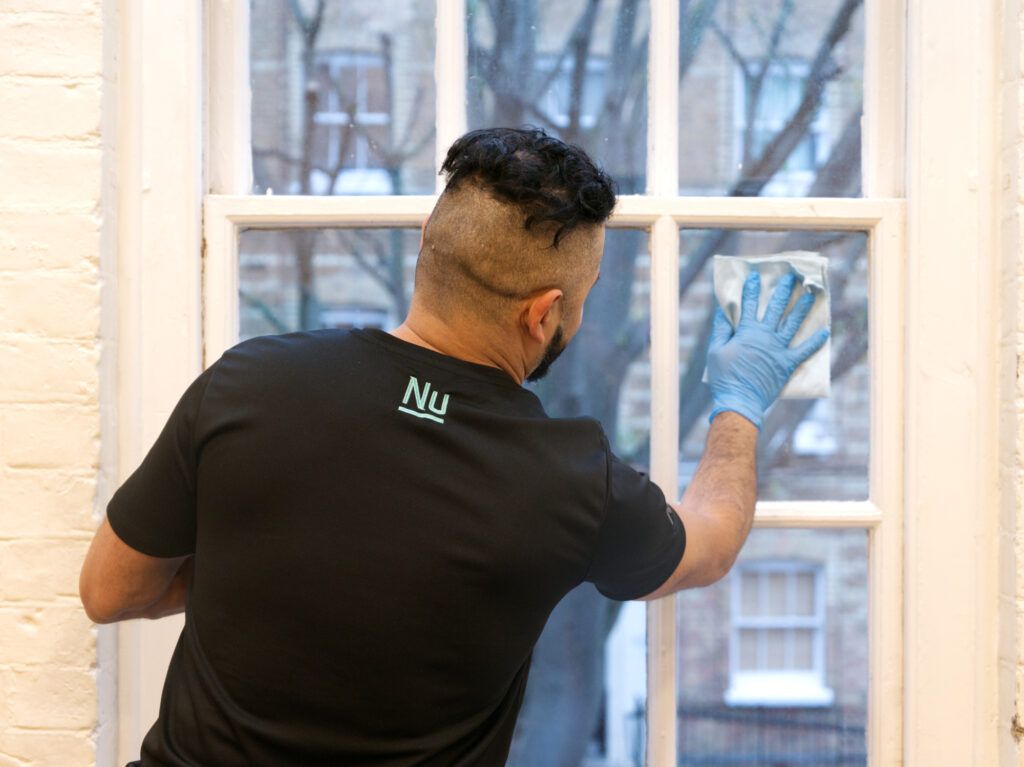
x: 780, y: 689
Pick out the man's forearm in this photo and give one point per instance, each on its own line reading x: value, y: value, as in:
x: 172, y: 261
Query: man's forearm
x: 717, y: 508
x: 171, y: 602
x: 724, y: 488
x: 727, y: 473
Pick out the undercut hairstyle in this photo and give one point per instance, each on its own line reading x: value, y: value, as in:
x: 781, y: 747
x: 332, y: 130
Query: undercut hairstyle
x: 522, y: 211
x: 547, y: 179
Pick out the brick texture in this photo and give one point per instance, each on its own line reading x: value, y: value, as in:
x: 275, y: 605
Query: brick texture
x: 51, y: 163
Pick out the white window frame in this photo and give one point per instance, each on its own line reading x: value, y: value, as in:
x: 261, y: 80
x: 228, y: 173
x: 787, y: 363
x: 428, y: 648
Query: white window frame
x: 777, y: 687
x: 940, y: 236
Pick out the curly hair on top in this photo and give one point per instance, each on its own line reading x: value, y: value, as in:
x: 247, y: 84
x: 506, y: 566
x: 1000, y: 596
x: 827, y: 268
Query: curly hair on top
x: 545, y: 177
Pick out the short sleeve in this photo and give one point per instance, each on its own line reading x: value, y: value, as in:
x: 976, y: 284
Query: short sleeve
x: 154, y: 511
x: 641, y: 540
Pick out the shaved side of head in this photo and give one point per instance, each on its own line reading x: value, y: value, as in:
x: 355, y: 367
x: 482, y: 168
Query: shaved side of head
x: 478, y: 255
x: 522, y: 212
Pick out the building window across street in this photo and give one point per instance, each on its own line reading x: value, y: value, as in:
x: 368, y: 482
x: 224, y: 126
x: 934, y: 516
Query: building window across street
x: 777, y: 640
x: 351, y: 123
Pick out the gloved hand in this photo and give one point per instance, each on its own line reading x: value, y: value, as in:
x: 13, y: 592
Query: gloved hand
x: 748, y: 368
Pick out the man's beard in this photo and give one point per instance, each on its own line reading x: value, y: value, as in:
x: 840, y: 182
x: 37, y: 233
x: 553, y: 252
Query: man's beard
x: 555, y: 347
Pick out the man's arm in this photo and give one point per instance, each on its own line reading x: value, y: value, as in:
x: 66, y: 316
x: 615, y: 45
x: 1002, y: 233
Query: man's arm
x: 747, y: 370
x: 118, y: 583
x: 717, y: 508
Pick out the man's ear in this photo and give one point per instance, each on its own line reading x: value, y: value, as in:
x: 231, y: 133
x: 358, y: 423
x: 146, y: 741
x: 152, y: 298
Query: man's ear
x: 423, y: 230
x: 542, y: 314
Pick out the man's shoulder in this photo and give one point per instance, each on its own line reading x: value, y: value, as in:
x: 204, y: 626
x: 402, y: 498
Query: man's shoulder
x: 293, y: 342
x: 269, y: 363
x: 309, y: 346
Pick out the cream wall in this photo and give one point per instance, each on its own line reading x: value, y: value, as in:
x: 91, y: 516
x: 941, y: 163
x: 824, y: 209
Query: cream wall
x: 51, y: 65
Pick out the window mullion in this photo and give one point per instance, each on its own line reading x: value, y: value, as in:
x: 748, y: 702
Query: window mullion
x: 661, y: 615
x: 884, y: 139
x: 449, y: 77
x: 662, y: 179
x: 663, y: 100
x: 228, y: 152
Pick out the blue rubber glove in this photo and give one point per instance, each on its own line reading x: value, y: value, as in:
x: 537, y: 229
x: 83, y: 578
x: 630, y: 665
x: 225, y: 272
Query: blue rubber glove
x: 748, y: 368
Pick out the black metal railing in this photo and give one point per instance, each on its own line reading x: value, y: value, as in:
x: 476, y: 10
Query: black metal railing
x: 718, y: 735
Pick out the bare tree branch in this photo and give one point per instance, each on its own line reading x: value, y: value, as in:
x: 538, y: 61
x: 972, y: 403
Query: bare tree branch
x: 778, y: 29
x: 754, y: 81
x: 692, y: 24
x: 265, y: 311
x: 277, y: 154
x: 756, y: 175
x: 371, y: 269
x: 730, y: 48
x: 822, y: 70
x: 310, y: 25
x: 840, y: 175
x: 394, y: 152
x: 579, y: 45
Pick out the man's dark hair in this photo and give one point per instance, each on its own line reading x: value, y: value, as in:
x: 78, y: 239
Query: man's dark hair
x: 546, y: 178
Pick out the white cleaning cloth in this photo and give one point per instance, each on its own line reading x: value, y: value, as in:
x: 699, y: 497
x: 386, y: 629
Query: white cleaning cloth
x: 813, y: 377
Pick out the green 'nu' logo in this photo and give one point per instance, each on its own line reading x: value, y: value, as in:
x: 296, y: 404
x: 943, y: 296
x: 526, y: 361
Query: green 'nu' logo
x: 425, y: 399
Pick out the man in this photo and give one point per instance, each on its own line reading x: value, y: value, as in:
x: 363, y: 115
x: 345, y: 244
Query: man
x: 368, y: 531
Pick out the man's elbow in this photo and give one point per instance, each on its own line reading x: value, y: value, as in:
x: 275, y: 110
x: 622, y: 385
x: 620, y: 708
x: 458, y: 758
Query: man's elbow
x: 721, y: 567
x: 99, y: 608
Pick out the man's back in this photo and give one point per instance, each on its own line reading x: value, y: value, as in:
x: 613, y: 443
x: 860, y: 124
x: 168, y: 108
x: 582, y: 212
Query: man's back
x: 380, y: 533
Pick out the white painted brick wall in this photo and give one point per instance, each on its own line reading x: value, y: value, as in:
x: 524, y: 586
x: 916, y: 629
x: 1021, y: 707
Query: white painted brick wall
x: 1014, y: 160
x: 50, y: 178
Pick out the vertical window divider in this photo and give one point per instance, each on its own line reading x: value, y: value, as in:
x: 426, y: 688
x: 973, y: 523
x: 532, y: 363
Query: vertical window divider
x: 663, y: 100
x: 886, y: 474
x: 661, y: 614
x: 228, y: 98
x: 450, y: 78
x: 662, y: 180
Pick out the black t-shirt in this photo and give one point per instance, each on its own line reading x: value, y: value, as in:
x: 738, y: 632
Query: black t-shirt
x: 380, y: 534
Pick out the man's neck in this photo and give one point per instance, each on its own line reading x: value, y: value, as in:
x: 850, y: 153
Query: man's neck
x: 431, y: 333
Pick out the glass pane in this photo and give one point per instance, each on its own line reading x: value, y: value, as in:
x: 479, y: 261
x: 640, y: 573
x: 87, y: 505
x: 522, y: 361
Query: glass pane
x: 803, y: 592
x: 803, y: 649
x: 587, y: 689
x: 777, y: 594
x: 817, y: 715
x: 809, y: 449
x: 748, y: 649
x: 750, y: 603
x: 342, y: 103
x: 576, y: 68
x: 774, y: 649
x: 771, y: 98
x: 302, y: 279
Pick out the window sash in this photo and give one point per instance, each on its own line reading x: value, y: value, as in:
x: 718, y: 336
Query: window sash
x: 881, y: 214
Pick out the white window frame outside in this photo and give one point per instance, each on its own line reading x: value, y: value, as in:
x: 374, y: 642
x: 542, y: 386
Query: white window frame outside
x: 939, y: 369
x: 777, y: 687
